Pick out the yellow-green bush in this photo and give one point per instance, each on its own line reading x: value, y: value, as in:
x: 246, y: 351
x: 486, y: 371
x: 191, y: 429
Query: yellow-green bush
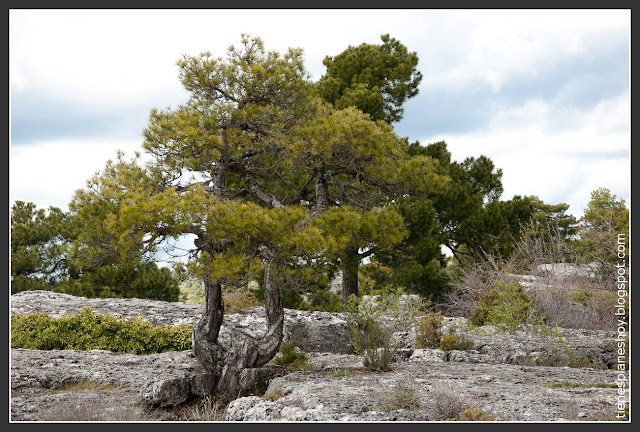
x: 472, y: 414
x: 86, y: 331
x: 455, y: 342
x: 429, y: 334
x: 506, y: 307
x: 289, y: 356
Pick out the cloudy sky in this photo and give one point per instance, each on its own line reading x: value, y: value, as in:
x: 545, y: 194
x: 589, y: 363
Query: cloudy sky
x: 544, y: 93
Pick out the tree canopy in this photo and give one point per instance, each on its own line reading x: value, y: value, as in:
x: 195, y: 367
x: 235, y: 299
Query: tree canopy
x: 37, y: 246
x: 377, y: 79
x: 604, y: 234
x: 67, y: 252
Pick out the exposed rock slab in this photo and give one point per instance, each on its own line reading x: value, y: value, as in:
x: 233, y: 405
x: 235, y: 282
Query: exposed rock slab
x: 508, y: 392
x: 499, y: 376
x: 57, y: 304
x: 160, y: 380
x: 312, y: 331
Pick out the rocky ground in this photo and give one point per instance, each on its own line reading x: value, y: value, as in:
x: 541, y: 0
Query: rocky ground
x: 500, y: 376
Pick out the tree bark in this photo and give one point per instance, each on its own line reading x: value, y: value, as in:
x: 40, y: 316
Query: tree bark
x: 206, y: 330
x: 350, y: 274
x: 322, y: 193
x: 270, y: 343
x: 226, y: 354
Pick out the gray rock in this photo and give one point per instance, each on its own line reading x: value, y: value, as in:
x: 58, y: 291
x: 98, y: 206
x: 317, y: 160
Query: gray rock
x: 256, y: 380
x: 507, y: 393
x: 501, y: 375
x: 333, y: 361
x: 166, y: 392
x: 565, y: 270
x: 57, y: 304
x: 250, y: 408
x: 427, y: 355
x: 335, y: 287
x: 312, y: 331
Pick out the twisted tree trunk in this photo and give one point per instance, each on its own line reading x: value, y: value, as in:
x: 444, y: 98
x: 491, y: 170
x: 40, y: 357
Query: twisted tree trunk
x: 225, y: 355
x: 350, y: 274
x: 206, y: 330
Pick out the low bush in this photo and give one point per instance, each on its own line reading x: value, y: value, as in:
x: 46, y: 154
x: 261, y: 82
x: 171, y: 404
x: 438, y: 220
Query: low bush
x: 506, y: 307
x: 87, y: 331
x: 576, y: 305
x: 570, y: 300
x: 404, y: 395
x: 455, y: 342
x: 472, y: 414
x: 292, y: 357
x: 373, y: 323
x: 558, y: 352
x: 447, y: 403
x: 429, y: 335
x: 429, y: 331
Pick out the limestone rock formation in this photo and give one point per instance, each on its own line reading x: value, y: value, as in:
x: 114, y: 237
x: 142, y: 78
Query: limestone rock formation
x: 312, y: 331
x: 509, y: 377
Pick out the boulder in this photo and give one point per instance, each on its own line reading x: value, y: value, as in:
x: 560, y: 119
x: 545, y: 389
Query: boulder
x: 166, y: 392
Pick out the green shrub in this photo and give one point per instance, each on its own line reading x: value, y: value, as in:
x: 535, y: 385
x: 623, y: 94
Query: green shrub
x: 322, y: 300
x: 562, y: 354
x: 505, y: 307
x: 558, y: 352
x: 472, y: 414
x: 372, y: 322
x: 86, y: 331
x: 428, y: 333
x: 289, y: 356
x: 339, y: 373
x: 455, y: 342
x: 480, y: 314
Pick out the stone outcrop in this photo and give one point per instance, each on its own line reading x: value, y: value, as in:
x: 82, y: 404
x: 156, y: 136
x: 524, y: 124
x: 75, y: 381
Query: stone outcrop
x: 312, y: 331
x: 502, y: 375
x: 506, y: 393
x: 57, y: 304
x: 567, y: 270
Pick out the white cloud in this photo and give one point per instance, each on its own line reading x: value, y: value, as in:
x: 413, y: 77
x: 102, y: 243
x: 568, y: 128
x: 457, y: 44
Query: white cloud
x: 499, y: 44
x: 557, y: 164
x: 106, y: 61
x: 49, y: 173
x: 110, y: 57
x: 17, y: 81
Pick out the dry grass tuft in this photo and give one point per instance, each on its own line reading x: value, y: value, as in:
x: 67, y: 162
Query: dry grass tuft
x: 446, y: 403
x: 91, y: 412
x: 404, y: 395
x: 206, y: 409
